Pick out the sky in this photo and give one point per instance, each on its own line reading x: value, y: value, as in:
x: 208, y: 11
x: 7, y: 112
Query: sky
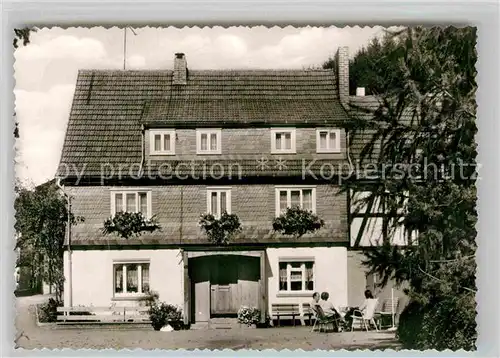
x: 46, y: 69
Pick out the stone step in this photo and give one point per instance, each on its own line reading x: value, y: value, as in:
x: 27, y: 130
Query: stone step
x: 223, y: 322
x: 199, y: 325
x: 217, y: 323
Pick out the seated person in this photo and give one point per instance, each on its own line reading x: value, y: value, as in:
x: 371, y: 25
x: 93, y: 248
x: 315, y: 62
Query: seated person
x: 315, y: 301
x: 358, y: 311
x: 329, y: 309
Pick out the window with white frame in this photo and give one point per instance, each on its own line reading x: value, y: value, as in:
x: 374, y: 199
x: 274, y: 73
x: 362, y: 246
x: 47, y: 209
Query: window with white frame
x: 288, y: 197
x: 327, y: 140
x: 131, y: 201
x: 131, y: 278
x: 296, y: 275
x: 208, y: 141
x: 283, y: 140
x: 218, y: 201
x: 162, y: 142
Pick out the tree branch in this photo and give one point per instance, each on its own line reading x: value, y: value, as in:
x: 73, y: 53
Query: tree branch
x: 442, y: 281
x: 453, y: 260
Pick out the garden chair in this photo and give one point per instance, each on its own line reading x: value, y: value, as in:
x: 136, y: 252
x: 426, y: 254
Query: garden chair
x: 389, y: 309
x: 324, y: 321
x: 366, y: 318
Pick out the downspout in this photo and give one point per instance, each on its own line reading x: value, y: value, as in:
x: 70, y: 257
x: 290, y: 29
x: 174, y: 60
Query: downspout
x: 181, y: 216
x: 351, y: 166
x: 70, y: 273
x: 143, y: 145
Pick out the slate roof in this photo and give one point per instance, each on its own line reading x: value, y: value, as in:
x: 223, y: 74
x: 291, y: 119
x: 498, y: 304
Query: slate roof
x: 363, y: 108
x: 224, y: 111
x: 110, y: 107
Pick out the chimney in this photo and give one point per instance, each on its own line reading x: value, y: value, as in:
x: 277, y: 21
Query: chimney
x: 180, y: 69
x: 360, y: 92
x: 343, y: 74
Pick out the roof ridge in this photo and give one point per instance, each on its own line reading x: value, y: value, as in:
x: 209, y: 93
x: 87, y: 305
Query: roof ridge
x: 227, y: 70
x: 263, y: 70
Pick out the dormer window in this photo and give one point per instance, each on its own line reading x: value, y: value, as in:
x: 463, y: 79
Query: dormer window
x: 328, y: 140
x: 208, y: 141
x: 283, y: 140
x: 162, y: 142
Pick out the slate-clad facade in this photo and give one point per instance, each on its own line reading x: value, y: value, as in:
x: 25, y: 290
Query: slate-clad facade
x: 177, y: 144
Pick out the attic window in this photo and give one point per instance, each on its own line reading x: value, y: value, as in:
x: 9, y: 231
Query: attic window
x: 162, y: 142
x: 327, y: 140
x: 283, y: 140
x: 208, y: 141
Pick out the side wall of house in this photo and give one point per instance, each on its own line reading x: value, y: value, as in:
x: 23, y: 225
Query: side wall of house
x: 330, y: 274
x: 359, y: 281
x: 92, y: 276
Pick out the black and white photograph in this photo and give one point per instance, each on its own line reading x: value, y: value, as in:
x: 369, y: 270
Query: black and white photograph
x: 245, y: 187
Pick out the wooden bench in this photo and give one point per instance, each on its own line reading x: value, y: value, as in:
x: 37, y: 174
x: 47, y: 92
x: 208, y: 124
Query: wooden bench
x: 287, y: 310
x: 89, y: 315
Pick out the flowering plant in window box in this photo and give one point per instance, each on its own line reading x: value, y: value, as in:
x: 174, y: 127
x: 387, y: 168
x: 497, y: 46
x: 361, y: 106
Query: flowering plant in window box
x: 220, y: 231
x: 248, y: 315
x: 297, y: 222
x: 126, y: 224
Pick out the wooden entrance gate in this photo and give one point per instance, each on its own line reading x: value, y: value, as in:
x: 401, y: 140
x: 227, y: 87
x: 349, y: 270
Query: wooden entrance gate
x: 224, y: 285
x: 219, y: 284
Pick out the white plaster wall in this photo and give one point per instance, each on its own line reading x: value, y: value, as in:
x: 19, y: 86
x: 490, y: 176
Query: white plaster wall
x: 92, y: 276
x: 330, y: 274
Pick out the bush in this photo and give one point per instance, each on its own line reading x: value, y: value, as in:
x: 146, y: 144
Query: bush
x: 220, y: 231
x: 47, y: 312
x: 126, y: 224
x: 248, y: 315
x: 161, y: 313
x: 297, y: 222
x: 445, y: 324
x: 410, y: 325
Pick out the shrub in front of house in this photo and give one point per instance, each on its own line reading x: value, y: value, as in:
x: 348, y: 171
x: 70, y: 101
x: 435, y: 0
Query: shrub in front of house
x: 427, y: 324
x: 47, y: 312
x: 161, y: 314
x: 127, y: 224
x: 248, y: 315
x: 220, y: 231
x: 297, y: 222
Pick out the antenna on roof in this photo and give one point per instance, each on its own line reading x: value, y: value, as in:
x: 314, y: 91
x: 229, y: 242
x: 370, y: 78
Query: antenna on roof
x: 125, y: 44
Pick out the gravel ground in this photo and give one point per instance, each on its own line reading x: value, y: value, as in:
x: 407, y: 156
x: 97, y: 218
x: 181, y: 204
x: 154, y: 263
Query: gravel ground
x: 30, y: 336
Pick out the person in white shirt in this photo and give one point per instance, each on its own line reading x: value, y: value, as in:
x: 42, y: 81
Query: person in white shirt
x: 355, y: 311
x: 330, y: 310
x: 315, y: 301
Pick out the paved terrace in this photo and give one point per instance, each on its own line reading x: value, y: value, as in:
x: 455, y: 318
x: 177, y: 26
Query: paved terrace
x: 30, y: 336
